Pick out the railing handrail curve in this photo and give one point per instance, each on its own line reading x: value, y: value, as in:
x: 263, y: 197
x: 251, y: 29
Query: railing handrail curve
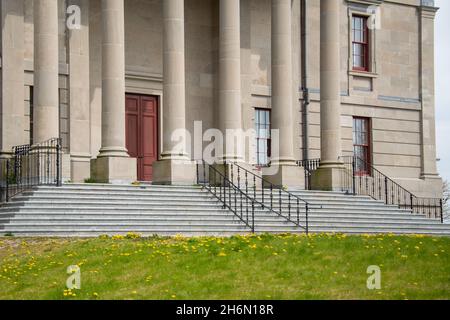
x: 393, y: 193
x: 224, y: 201
x: 285, y: 192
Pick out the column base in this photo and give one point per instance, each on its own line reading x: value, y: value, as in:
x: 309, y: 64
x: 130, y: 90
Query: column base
x: 175, y: 172
x: 114, y: 170
x: 80, y: 168
x: 327, y: 178
x: 285, y: 176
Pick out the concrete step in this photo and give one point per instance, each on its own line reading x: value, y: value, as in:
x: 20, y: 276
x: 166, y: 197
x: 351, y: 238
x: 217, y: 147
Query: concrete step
x: 96, y: 204
x: 101, y: 200
x: 115, y: 188
x: 176, y: 222
x: 124, y: 228
x: 205, y: 215
x: 161, y: 232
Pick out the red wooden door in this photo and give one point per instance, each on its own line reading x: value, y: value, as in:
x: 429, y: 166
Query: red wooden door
x: 142, y: 133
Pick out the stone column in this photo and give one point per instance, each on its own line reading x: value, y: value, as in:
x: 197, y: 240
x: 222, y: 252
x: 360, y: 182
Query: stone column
x: 46, y: 73
x: 327, y: 177
x: 174, y: 166
x: 79, y: 82
x: 230, y: 111
x: 433, y: 186
x: 113, y: 164
x: 283, y: 171
x: 12, y: 76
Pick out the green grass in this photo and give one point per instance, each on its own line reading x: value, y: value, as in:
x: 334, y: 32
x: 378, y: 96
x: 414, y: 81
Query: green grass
x: 253, y: 267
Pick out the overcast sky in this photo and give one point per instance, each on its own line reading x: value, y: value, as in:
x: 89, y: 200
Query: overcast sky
x: 443, y: 86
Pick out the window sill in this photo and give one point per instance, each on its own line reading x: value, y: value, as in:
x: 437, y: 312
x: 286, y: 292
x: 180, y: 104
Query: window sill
x: 365, y: 74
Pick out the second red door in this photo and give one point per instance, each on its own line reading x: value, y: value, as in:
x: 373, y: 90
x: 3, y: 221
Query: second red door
x: 142, y: 133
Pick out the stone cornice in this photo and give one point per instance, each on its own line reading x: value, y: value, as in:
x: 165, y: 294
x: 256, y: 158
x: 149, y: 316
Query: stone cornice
x: 366, y: 2
x: 428, y: 10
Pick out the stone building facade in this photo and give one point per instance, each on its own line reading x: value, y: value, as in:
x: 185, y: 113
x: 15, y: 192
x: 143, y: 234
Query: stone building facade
x: 126, y: 74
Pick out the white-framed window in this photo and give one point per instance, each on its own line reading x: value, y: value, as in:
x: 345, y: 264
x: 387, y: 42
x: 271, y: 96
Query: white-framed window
x: 263, y: 136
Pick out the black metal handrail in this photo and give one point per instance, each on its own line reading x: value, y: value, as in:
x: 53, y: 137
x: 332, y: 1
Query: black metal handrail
x: 361, y: 178
x: 295, y: 205
x: 309, y: 165
x: 230, y: 195
x: 30, y: 166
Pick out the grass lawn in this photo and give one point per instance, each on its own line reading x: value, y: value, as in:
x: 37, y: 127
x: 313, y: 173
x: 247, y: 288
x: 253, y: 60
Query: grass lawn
x: 253, y: 267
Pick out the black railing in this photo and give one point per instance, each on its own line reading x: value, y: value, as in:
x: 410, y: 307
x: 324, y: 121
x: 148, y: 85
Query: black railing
x: 30, y: 166
x: 289, y: 206
x: 230, y: 195
x: 309, y: 166
x: 360, y: 178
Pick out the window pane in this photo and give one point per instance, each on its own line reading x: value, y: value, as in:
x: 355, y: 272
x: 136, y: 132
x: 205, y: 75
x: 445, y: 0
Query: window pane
x: 358, y: 23
x: 360, y: 42
x: 361, y: 143
x: 358, y: 61
x: 262, y: 125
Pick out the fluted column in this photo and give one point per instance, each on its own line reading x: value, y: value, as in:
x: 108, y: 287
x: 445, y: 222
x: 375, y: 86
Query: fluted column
x: 174, y: 167
x: 230, y: 113
x: 174, y: 109
x: 113, y: 79
x: 46, y: 62
x: 328, y: 175
x: 113, y: 164
x: 283, y: 170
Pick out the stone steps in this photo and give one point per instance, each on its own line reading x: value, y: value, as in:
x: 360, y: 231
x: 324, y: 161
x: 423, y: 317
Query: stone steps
x: 97, y: 209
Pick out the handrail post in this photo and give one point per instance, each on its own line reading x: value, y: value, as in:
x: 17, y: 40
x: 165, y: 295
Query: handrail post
x: 262, y: 195
x: 58, y: 164
x: 412, y: 205
x: 198, y: 178
x: 354, y: 175
x: 442, y: 210
x: 253, y: 216
x: 206, y: 180
x: 7, y: 181
x: 254, y: 187
x: 289, y: 206
x: 307, y: 219
x: 280, y: 201
x: 386, y: 190
x: 271, y: 197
